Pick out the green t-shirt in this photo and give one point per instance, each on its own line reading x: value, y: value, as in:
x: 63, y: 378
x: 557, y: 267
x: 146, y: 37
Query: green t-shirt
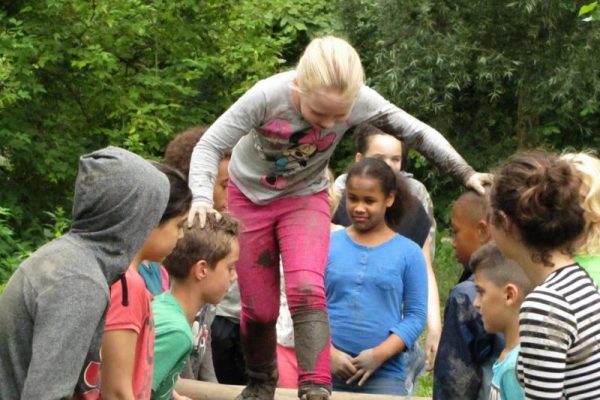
x: 592, y: 266
x: 172, y: 344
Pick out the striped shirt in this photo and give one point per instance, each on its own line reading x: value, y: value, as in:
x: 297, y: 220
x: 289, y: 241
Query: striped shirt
x: 560, y: 338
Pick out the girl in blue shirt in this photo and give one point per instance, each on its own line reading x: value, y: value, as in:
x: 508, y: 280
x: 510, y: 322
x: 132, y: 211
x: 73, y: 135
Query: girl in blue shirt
x: 376, y: 285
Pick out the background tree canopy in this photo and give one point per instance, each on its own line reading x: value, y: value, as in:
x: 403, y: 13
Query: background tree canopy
x: 77, y: 75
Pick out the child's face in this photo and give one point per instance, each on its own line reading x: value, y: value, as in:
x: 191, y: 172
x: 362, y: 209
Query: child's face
x: 386, y: 148
x: 366, y: 203
x: 491, y: 303
x: 220, y: 190
x: 163, y: 238
x: 219, y: 278
x: 324, y: 109
x: 465, y: 235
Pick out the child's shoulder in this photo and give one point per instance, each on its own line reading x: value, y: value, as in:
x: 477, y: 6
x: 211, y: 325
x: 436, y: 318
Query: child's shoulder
x: 465, y: 288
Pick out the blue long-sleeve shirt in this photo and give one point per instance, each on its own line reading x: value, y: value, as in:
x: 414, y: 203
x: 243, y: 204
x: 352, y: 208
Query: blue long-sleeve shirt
x: 373, y: 292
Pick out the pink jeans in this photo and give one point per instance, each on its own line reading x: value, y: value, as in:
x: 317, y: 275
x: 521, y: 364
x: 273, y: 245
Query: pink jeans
x: 298, y: 230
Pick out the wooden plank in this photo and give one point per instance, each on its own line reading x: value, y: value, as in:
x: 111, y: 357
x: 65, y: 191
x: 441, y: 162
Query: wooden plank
x: 197, y: 390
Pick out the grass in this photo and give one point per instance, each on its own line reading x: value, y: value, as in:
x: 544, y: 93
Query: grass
x: 447, y: 272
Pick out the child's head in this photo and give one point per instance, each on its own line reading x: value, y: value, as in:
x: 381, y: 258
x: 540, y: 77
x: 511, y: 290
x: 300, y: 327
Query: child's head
x: 469, y: 225
x: 205, y: 258
x: 588, y: 168
x: 179, y: 153
x: 329, y: 76
x: 501, y: 287
x: 372, y: 142
x: 163, y: 238
x: 375, y: 195
x: 536, y: 204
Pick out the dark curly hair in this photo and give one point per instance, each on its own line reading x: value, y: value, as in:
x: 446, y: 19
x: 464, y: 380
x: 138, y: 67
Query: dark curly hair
x: 540, y: 193
x: 180, y: 195
x: 391, y: 183
x: 179, y: 150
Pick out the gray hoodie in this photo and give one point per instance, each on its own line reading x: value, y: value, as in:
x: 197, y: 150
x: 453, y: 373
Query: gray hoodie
x: 53, y: 308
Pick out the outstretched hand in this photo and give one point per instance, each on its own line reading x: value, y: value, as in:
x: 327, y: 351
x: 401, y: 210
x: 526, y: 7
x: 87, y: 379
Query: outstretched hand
x: 366, y: 363
x: 201, y: 210
x: 478, y: 180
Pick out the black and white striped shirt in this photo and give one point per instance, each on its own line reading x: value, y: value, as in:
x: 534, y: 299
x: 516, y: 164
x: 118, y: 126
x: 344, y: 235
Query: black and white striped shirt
x: 560, y: 338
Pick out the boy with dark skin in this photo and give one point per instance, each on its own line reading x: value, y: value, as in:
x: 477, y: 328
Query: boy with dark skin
x: 463, y: 365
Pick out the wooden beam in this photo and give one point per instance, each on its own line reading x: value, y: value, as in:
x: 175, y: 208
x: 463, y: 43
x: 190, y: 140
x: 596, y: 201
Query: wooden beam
x: 197, y: 390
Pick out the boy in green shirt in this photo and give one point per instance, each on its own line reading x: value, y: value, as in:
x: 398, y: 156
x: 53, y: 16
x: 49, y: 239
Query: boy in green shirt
x: 202, y: 267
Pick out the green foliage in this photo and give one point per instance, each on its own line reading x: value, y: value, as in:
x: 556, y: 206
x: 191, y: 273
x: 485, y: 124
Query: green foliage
x: 491, y: 76
x: 12, y: 250
x: 590, y: 11
x: 78, y: 75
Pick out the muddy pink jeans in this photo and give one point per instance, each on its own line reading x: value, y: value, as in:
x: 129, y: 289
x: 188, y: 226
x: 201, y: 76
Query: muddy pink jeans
x: 298, y: 230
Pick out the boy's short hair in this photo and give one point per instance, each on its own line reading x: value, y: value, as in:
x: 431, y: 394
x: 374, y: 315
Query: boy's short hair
x: 211, y: 243
x: 499, y: 269
x: 476, y: 206
x: 179, y: 150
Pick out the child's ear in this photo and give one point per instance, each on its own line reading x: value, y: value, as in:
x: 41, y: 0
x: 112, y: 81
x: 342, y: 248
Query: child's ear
x: 358, y: 157
x: 390, y: 200
x: 512, y: 295
x: 483, y: 231
x: 200, y: 269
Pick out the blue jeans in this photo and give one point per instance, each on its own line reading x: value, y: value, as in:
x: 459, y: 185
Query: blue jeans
x: 414, y: 365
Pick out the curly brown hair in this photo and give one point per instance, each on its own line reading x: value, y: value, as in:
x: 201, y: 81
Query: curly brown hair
x: 540, y: 193
x: 179, y: 150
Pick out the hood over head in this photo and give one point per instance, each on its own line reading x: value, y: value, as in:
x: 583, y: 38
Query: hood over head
x: 119, y: 199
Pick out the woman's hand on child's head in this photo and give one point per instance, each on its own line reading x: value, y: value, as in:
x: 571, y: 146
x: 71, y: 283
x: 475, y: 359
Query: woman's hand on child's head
x: 341, y: 364
x: 478, y: 180
x: 366, y: 363
x: 201, y: 210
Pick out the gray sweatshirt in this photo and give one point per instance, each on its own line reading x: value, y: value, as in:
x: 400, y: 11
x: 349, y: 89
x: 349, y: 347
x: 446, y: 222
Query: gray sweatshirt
x: 278, y: 154
x: 53, y: 308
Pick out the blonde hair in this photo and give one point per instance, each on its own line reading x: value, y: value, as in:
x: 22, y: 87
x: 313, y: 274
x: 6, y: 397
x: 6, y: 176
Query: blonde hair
x: 588, y: 169
x: 330, y: 63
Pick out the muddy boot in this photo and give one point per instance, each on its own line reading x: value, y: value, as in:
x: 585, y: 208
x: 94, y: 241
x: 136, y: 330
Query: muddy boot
x: 311, y: 337
x: 313, y: 391
x: 261, y: 386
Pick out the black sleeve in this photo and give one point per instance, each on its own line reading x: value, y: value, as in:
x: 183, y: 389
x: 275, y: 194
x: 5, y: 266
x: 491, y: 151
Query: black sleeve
x: 415, y: 224
x: 341, y: 215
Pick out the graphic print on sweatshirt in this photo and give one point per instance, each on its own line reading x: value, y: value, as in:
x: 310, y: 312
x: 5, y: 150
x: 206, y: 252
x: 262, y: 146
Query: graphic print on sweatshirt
x: 294, y: 149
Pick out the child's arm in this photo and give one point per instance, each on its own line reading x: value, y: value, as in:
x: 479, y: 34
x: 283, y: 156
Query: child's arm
x: 170, y: 350
x: 415, y: 134
x: 66, y: 318
x: 118, y: 363
x: 414, y: 280
x: 434, y: 323
x: 244, y: 115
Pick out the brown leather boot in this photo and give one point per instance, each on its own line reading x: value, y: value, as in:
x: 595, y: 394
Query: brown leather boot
x: 261, y: 386
x: 313, y: 391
